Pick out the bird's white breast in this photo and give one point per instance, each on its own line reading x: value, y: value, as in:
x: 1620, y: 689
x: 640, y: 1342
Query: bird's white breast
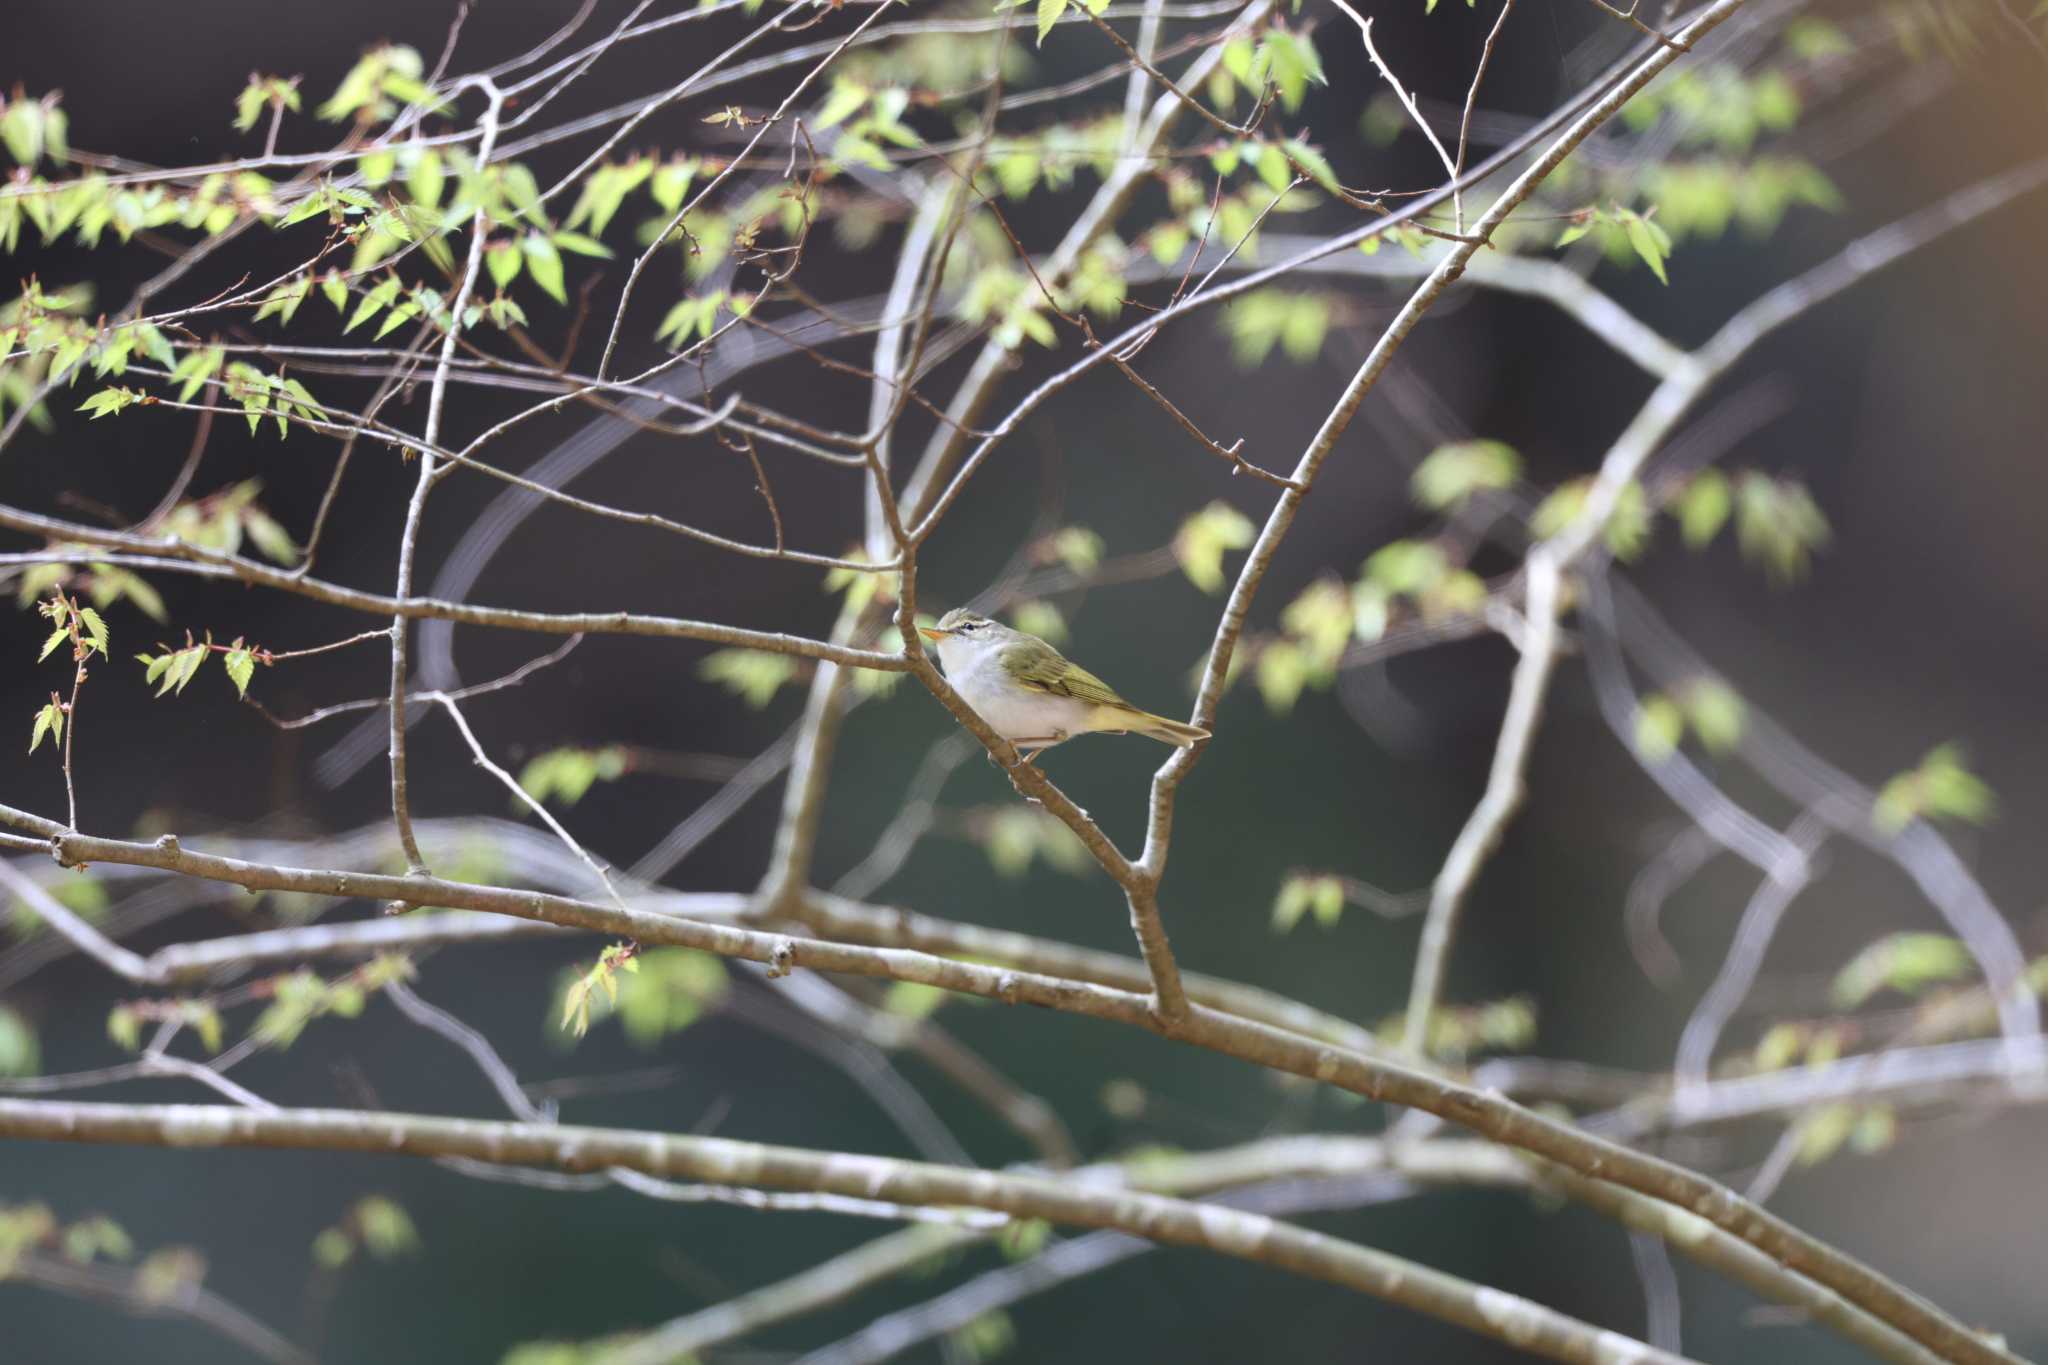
x: 1012, y: 711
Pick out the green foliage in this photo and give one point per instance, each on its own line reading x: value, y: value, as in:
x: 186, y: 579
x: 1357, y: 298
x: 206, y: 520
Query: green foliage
x: 1717, y: 106
x: 1040, y: 618
x: 278, y: 396
x: 1659, y: 728
x: 861, y: 586
x: 298, y: 998
x: 566, y: 774
x: 1319, y: 621
x: 672, y: 989
x: 23, y: 1227
x: 169, y: 1274
x: 383, y: 75
x: 265, y: 93
x: 1010, y: 303
x: 1942, y: 787
x: 19, y: 1055
x: 1623, y: 233
x: 84, y: 630
x: 1281, y: 59
x: 125, y: 1021
x: 220, y: 520
x: 1320, y: 894
x: 1077, y: 547
x: 1778, y: 523
x: 81, y: 893
x: 104, y: 584
x: 1450, y: 474
x: 1713, y: 710
x: 1823, y: 1131
x: 96, y: 1238
x: 107, y: 402
x: 754, y: 675
x: 1203, y: 538
x: 1023, y: 1238
x: 1628, y: 526
x: 1455, y: 1035
x: 697, y: 316
x: 1015, y: 836
x: 1264, y: 318
x: 174, y: 668
x: 914, y: 999
x: 1906, y: 962
x: 988, y: 1337
x: 1416, y: 573
x: 376, y: 1224
x: 31, y: 129
x: 1700, y: 198
x: 581, y: 988
x: 1703, y: 508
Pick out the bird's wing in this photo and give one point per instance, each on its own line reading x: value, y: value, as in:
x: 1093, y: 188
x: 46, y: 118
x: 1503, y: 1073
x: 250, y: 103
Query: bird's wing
x: 1040, y: 667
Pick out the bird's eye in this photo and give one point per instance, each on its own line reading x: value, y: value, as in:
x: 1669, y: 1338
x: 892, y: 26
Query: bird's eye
x: 970, y: 625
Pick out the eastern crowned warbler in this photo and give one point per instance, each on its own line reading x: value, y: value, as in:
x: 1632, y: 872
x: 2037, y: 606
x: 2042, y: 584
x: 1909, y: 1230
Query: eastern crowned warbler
x: 1031, y: 694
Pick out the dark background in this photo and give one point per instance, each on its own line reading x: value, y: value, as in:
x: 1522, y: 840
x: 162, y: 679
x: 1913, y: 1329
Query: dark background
x: 1916, y: 417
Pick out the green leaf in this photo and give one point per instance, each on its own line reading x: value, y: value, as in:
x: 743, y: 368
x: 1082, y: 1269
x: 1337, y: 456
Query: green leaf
x: 56, y: 637
x: 387, y: 1230
x: 502, y: 258
x: 1778, y: 522
x: 124, y: 1028
x: 1312, y: 162
x: 843, y: 103
x: 1703, y: 508
x: 566, y: 774
x: 1822, y: 1131
x: 374, y: 302
x: 241, y: 667
x: 580, y: 244
x: 544, y: 263
x: 19, y: 1055
x: 270, y: 537
x: 1049, y: 12
x: 1717, y: 713
x: 196, y: 369
x: 1407, y: 567
x: 913, y: 999
x: 1203, y: 539
x: 1264, y: 318
x: 333, y: 1248
x: 1282, y: 671
x: 1450, y: 474
x: 1649, y: 241
x: 396, y: 318
x: 755, y: 675
x: 426, y: 180
x: 1039, y: 618
x: 95, y: 629
x: 1907, y: 963
x: 1660, y: 725
x: 50, y: 721
x: 109, y: 401
x: 1077, y: 547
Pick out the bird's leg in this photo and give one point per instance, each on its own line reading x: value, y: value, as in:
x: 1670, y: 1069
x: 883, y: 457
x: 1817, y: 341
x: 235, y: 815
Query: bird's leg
x: 1031, y: 746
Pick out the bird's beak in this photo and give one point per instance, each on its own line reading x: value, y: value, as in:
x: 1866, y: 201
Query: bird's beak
x: 932, y: 633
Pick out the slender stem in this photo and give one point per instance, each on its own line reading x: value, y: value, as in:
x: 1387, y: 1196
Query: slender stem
x: 408, y: 543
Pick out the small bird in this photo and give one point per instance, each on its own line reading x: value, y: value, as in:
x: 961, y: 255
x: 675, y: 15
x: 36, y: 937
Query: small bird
x: 1031, y: 694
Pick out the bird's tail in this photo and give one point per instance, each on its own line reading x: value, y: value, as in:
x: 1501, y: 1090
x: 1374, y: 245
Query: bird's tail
x: 1168, y: 731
